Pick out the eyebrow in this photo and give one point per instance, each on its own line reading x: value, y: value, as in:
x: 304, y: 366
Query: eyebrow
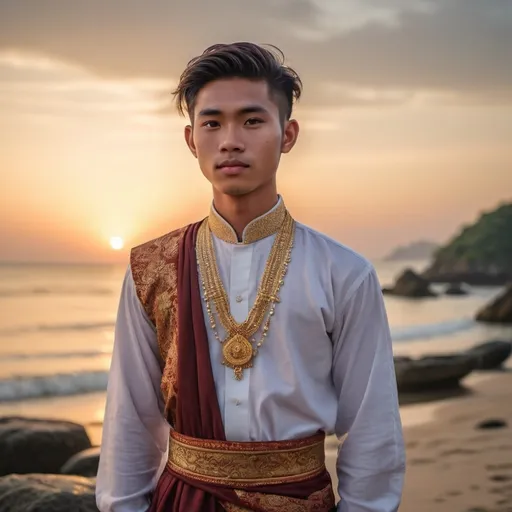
x: 249, y: 109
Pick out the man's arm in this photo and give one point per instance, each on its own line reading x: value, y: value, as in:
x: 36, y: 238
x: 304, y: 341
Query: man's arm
x: 371, y: 461
x: 135, y: 433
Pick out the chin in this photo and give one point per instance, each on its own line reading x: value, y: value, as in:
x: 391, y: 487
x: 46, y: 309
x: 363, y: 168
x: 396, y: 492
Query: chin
x: 234, y: 187
x: 236, y: 191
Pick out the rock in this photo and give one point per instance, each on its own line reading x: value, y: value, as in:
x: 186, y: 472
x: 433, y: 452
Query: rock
x: 455, y: 289
x: 84, y: 463
x: 410, y: 284
x: 401, y: 359
x: 491, y: 424
x: 29, y: 445
x: 491, y: 355
x: 433, y: 372
x: 499, y: 310
x: 47, y: 493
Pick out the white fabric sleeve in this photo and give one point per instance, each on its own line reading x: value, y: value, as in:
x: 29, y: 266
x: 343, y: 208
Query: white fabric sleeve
x: 135, y: 432
x: 371, y: 461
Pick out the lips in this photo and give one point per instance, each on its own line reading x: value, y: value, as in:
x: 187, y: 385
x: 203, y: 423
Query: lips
x: 232, y: 163
x: 232, y: 167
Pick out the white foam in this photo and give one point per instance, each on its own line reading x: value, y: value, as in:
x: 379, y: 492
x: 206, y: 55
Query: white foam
x: 22, y: 388
x: 14, y: 356
x: 422, y: 332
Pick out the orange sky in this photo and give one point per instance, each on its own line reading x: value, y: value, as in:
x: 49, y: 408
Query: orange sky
x: 89, y: 151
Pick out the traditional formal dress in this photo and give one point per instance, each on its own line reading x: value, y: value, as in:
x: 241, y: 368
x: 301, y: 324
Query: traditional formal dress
x: 188, y: 427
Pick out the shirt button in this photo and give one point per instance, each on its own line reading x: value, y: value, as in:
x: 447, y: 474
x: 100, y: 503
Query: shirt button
x: 239, y: 298
x: 237, y: 402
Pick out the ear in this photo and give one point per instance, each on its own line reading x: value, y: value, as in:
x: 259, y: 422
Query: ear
x: 290, y: 135
x: 189, y: 139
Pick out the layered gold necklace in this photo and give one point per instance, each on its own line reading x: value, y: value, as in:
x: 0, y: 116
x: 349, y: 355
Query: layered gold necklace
x: 238, y: 352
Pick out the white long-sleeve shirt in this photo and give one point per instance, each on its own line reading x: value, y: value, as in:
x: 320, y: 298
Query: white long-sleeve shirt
x: 327, y: 364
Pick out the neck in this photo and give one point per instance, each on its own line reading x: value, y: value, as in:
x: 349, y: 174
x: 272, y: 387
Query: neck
x: 239, y: 211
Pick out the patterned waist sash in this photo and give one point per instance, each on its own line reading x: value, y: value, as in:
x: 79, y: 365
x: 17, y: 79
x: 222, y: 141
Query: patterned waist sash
x: 246, y: 464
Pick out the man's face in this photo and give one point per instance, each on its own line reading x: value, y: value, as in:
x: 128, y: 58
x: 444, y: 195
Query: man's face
x: 238, y: 136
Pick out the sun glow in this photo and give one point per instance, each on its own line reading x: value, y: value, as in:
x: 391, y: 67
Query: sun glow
x: 117, y: 243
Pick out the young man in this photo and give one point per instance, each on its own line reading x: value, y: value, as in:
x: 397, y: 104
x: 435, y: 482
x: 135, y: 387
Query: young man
x: 244, y: 339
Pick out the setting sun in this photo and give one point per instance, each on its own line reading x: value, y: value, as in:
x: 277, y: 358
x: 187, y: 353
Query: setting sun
x: 117, y: 243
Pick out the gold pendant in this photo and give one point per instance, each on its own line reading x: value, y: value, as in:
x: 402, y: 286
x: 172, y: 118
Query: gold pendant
x: 238, y: 353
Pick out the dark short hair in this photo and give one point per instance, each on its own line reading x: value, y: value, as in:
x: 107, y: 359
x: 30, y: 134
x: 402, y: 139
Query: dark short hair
x: 239, y: 60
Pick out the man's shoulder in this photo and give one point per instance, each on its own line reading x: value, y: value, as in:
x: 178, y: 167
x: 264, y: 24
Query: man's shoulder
x: 161, y: 242
x: 150, y: 259
x: 342, y: 258
x: 339, y: 252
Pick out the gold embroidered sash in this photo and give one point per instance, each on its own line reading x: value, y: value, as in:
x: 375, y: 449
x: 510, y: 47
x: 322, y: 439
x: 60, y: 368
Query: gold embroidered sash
x: 246, y: 464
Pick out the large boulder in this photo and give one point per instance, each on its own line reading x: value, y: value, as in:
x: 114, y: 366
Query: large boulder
x: 47, y: 493
x: 29, y: 445
x: 410, y: 284
x: 84, y: 463
x: 491, y: 354
x: 499, y: 310
x: 432, y: 373
x: 455, y: 289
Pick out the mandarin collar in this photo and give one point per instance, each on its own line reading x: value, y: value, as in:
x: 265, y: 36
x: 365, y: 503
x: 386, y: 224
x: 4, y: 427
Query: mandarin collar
x: 266, y: 225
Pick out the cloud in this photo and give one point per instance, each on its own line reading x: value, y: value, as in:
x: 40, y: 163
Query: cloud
x: 33, y: 84
x: 453, y: 48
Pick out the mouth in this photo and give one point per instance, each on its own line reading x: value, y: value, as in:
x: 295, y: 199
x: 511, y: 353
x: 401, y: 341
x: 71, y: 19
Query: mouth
x: 232, y: 167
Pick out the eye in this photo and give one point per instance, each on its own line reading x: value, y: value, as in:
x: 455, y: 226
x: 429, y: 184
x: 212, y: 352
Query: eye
x: 254, y: 121
x: 211, y: 124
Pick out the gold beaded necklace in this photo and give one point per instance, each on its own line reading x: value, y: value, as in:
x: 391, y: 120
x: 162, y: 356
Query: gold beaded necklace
x: 238, y: 352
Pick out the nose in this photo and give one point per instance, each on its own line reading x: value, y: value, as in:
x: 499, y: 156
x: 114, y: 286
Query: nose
x: 231, y: 140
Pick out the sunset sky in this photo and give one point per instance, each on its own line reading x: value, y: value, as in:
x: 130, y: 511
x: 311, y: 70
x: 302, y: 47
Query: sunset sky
x: 406, y: 118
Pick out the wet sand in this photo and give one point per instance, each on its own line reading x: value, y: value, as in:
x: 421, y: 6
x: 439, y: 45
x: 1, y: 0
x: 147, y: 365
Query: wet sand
x: 452, y: 465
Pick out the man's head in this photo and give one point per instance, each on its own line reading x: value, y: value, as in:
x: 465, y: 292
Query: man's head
x: 239, y: 98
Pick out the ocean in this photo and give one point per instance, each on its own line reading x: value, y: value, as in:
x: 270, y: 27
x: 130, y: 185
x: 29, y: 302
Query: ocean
x: 57, y: 329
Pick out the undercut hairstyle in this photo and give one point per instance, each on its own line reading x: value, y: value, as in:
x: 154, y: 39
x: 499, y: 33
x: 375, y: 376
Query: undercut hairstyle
x: 239, y: 60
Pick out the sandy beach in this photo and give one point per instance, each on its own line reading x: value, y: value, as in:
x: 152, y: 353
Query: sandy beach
x: 452, y: 465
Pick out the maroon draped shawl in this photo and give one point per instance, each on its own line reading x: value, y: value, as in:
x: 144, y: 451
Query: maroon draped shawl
x: 198, y: 413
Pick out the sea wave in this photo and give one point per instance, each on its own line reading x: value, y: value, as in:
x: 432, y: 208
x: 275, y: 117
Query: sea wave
x: 24, y: 388
x: 78, y: 326
x: 421, y: 332
x: 17, y: 356
x: 24, y: 292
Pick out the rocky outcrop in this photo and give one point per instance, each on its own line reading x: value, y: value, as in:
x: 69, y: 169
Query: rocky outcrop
x: 491, y: 355
x: 499, y: 310
x: 481, y: 254
x: 47, y: 493
x: 410, y: 284
x: 84, y: 463
x: 37, y: 445
x: 432, y: 373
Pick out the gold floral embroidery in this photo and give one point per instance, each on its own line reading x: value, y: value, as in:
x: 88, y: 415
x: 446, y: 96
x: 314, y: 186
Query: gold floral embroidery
x: 320, y: 501
x: 154, y: 268
x: 246, y: 464
x: 231, y: 507
x: 258, y: 229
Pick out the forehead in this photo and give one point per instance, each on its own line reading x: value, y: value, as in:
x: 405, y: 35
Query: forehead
x: 229, y: 95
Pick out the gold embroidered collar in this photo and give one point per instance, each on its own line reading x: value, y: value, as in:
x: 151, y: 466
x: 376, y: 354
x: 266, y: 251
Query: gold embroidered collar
x: 261, y: 227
